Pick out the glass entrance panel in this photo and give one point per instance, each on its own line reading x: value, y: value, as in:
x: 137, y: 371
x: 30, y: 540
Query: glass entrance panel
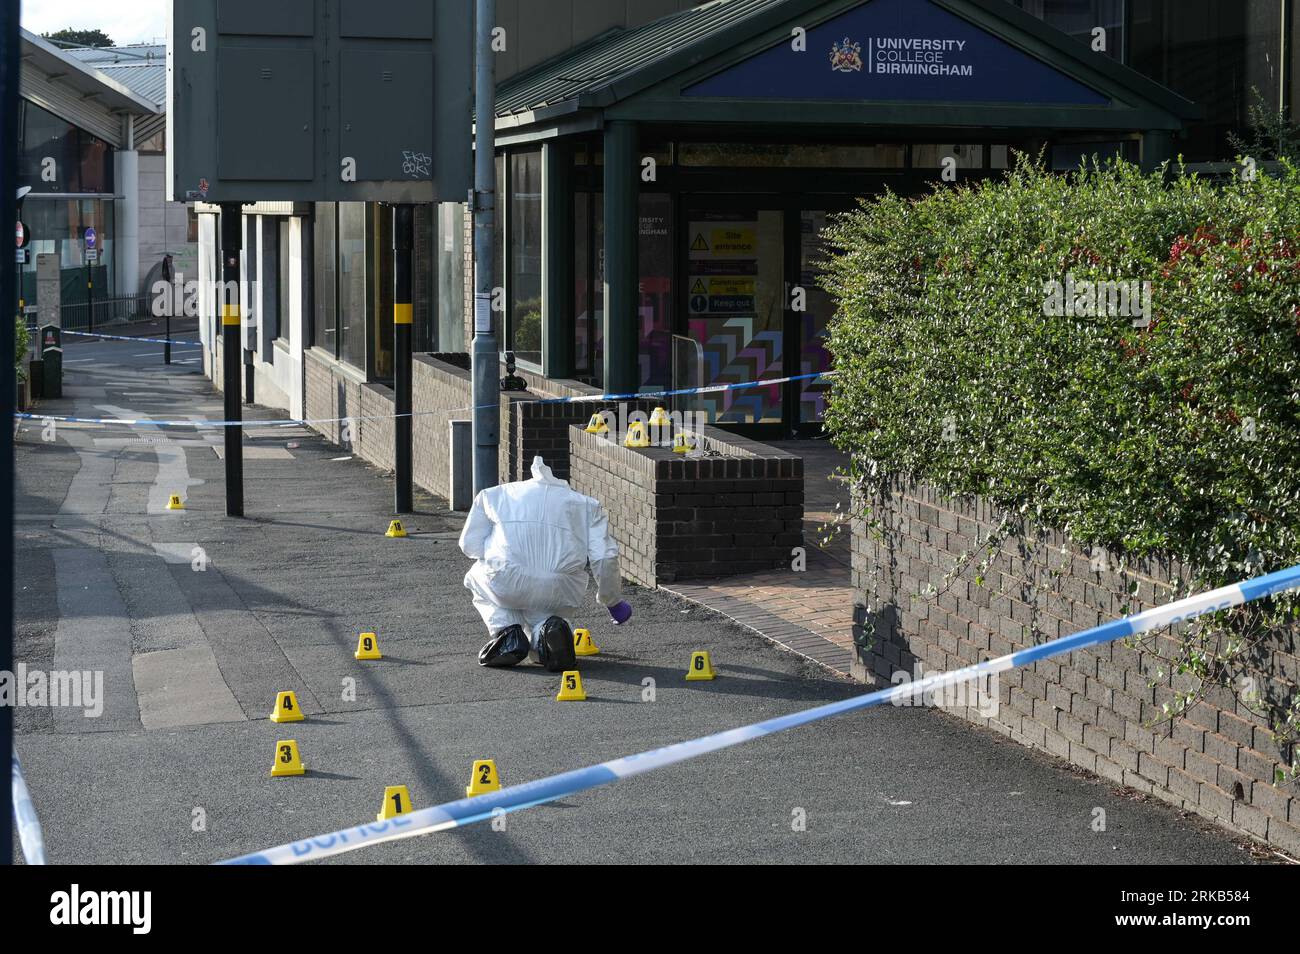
x: 814, y: 320
x: 735, y: 306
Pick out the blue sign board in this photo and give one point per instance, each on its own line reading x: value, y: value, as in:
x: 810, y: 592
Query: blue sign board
x: 90, y: 238
x: 898, y: 50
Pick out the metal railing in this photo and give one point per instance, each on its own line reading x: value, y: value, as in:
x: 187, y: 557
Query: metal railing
x: 101, y: 312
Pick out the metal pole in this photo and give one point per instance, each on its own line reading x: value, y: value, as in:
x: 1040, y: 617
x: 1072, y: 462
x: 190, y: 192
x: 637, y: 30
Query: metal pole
x: 231, y: 347
x: 403, y: 241
x: 485, y: 363
x: 9, y: 60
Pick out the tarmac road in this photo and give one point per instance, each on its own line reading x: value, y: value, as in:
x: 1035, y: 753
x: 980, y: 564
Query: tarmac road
x: 107, y: 579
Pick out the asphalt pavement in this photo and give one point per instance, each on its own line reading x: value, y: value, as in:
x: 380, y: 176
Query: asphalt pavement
x: 197, y: 620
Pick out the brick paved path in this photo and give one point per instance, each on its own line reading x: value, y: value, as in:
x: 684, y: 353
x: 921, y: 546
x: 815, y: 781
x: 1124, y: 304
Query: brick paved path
x: 809, y: 612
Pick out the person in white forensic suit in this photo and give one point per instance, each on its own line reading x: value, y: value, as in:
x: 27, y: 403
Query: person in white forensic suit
x: 534, y: 542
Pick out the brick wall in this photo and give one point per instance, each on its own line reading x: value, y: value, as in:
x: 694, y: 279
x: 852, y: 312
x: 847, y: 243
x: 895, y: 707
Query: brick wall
x: 1099, y: 708
x: 679, y: 517
x: 441, y: 392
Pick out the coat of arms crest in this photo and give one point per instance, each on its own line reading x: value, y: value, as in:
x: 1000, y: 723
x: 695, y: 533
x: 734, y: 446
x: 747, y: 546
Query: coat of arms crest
x: 846, y: 56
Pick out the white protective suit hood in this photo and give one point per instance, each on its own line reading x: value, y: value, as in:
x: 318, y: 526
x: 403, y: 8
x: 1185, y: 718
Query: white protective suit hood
x: 543, y: 473
x: 534, y: 543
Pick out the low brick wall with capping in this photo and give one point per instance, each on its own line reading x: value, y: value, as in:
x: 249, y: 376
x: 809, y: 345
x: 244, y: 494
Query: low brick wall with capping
x: 687, y: 517
x: 1099, y: 708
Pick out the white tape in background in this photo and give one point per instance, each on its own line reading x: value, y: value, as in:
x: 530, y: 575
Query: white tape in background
x: 29, y: 826
x: 469, y: 810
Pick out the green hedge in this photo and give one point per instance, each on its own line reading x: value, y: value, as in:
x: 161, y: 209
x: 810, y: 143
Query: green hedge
x: 1181, y: 438
x: 20, y: 347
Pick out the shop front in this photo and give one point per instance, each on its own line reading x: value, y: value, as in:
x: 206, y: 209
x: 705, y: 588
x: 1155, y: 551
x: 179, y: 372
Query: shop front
x: 665, y: 190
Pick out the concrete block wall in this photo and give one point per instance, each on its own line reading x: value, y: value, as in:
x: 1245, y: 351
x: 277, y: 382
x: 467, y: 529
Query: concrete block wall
x: 1099, y: 708
x: 682, y: 517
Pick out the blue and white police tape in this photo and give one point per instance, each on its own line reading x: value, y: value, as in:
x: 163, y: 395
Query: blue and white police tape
x: 288, y: 422
x: 29, y: 826
x: 466, y: 811
x: 175, y: 342
x: 151, y: 422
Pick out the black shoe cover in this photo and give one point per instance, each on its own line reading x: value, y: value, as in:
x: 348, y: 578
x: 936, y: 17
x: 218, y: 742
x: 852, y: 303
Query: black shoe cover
x: 554, y: 645
x: 507, y: 648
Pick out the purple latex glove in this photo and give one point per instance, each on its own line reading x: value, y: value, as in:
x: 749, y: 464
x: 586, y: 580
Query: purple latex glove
x: 620, y: 612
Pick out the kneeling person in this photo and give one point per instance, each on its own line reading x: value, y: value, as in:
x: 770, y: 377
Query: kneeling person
x: 534, y: 543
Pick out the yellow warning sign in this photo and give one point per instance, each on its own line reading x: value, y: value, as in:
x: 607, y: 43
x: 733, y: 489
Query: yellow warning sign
x: 699, y: 245
x: 733, y: 242
x: 731, y: 286
x: 698, y: 288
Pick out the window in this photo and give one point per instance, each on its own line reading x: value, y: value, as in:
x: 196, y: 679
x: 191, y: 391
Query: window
x: 655, y: 287
x: 380, y: 290
x: 351, y: 277
x: 589, y: 285
x: 524, y: 282
x: 932, y: 157
x: 582, y: 312
x: 1215, y: 54
x: 452, y: 275
x: 424, y: 279
x: 781, y: 155
x: 325, y: 246
x: 282, y: 316
x: 1079, y: 18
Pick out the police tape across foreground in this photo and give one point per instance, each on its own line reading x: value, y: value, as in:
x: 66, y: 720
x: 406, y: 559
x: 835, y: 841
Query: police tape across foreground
x: 291, y: 421
x: 466, y: 811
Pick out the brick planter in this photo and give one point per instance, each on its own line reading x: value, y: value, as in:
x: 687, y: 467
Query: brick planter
x: 680, y: 517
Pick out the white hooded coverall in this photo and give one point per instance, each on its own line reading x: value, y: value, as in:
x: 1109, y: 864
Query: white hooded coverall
x: 533, y: 542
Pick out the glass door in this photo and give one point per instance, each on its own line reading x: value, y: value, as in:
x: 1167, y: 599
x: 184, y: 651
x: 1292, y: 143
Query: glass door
x: 733, y: 276
x: 810, y: 323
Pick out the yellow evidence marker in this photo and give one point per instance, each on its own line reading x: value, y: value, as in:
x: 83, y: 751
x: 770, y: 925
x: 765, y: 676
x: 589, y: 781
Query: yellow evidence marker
x: 637, y: 436
x: 174, y: 502
x: 287, y: 761
x: 583, y: 644
x: 571, y: 687
x: 286, y: 708
x: 597, y: 425
x: 395, y: 529
x: 397, y: 801
x: 368, y: 647
x: 682, y: 443
x: 701, y: 667
x: 483, y: 778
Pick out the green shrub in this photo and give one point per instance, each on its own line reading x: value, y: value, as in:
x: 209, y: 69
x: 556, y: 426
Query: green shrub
x: 1180, y: 438
x: 20, y: 347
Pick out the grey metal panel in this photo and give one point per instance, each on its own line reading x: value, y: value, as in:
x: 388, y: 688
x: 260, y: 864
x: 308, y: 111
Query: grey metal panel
x: 388, y: 139
x: 242, y: 137
x: 394, y: 19
x: 267, y: 95
x: 453, y: 101
x: 263, y: 18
